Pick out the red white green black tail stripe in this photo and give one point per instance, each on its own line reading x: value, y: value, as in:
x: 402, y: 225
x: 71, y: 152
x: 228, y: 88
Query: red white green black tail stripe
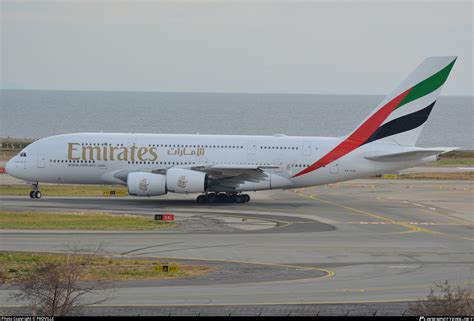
x: 402, y: 114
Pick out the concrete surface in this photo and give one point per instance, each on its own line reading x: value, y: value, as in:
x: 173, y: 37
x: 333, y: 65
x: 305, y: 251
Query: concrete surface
x: 370, y: 242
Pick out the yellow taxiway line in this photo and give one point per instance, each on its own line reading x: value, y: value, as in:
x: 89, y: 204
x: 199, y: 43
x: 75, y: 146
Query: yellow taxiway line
x: 410, y: 227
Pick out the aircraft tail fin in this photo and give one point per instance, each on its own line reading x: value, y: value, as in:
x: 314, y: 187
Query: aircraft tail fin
x: 399, y: 119
x: 401, y: 116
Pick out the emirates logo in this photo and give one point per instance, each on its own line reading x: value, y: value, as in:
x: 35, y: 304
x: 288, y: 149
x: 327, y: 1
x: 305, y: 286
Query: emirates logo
x: 143, y: 184
x: 182, y: 182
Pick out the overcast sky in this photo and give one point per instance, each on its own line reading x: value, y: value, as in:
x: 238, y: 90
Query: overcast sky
x: 332, y: 47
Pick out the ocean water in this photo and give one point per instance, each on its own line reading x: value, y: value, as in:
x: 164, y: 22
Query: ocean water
x: 37, y: 114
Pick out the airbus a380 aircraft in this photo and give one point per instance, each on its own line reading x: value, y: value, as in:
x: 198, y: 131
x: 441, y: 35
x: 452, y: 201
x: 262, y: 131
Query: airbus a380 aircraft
x: 221, y: 167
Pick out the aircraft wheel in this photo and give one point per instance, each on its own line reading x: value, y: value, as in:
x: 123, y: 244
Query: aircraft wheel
x: 232, y: 198
x: 222, y: 198
x: 38, y: 194
x: 201, y: 199
x: 212, y: 198
x: 32, y: 194
x: 246, y: 198
x: 239, y: 199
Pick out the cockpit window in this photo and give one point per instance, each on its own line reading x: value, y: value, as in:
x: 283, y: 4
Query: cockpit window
x: 22, y: 154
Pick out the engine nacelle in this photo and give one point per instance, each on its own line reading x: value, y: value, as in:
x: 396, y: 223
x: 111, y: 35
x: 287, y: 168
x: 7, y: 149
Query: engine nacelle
x: 186, y: 181
x: 146, y: 184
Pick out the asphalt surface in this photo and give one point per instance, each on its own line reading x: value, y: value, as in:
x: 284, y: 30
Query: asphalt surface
x: 360, y: 242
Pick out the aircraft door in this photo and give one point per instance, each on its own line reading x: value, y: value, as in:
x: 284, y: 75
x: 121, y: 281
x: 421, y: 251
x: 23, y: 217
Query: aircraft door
x: 131, y: 142
x: 41, y: 160
x: 251, y: 148
x: 306, y: 149
x: 334, y: 168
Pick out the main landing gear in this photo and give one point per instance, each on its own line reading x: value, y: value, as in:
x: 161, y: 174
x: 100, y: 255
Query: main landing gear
x: 223, y: 198
x: 35, y: 193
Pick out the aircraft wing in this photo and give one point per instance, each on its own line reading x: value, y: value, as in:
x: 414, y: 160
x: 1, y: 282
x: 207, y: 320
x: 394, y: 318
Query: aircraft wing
x: 409, y: 155
x: 230, y: 175
x: 224, y: 175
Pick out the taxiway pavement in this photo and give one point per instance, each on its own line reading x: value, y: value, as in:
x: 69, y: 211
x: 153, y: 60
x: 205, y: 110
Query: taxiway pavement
x: 361, y: 241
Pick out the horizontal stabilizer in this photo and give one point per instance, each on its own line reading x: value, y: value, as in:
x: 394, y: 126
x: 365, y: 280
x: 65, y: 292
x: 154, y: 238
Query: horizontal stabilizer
x: 410, y: 155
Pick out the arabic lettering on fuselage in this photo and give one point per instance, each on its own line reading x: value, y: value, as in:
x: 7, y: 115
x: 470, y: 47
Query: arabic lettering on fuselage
x: 183, y: 151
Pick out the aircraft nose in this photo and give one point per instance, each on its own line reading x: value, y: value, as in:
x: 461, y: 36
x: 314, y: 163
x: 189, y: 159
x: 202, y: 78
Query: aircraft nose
x: 10, y: 167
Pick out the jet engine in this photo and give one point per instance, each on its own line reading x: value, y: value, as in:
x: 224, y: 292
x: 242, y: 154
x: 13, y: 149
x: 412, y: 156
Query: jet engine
x: 186, y: 181
x: 146, y: 184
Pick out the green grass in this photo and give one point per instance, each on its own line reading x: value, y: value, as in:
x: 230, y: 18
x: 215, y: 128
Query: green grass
x: 459, y: 154
x: 440, y: 176
x: 78, y: 221
x: 16, y: 264
x: 61, y: 190
x: 453, y: 162
x: 455, y: 158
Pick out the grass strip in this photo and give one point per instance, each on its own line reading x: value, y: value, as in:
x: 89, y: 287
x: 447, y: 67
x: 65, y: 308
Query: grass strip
x: 469, y: 176
x: 78, y: 221
x: 61, y: 190
x: 15, y: 264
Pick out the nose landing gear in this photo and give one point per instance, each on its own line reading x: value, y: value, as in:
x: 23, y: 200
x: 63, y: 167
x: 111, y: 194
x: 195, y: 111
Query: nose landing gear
x: 35, y: 193
x: 222, y: 198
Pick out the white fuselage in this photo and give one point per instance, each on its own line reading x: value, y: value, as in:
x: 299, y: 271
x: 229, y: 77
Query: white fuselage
x: 102, y: 158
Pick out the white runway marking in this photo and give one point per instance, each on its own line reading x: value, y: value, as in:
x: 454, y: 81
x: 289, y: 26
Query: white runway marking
x: 412, y: 223
x: 416, y: 204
